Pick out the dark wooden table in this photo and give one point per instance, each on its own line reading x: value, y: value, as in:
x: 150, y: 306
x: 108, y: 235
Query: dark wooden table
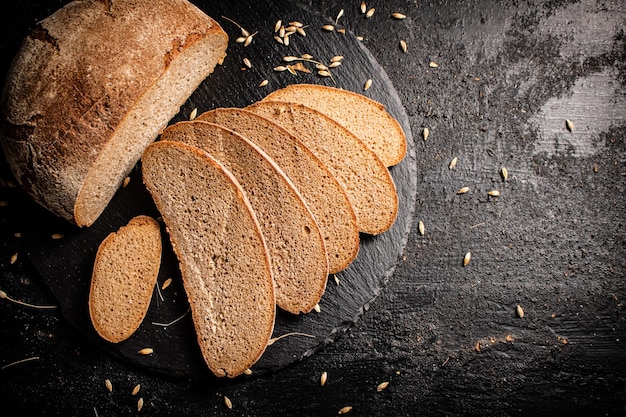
x: 494, y: 82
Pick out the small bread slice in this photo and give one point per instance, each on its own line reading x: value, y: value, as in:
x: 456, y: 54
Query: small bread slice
x: 295, y: 243
x: 361, y: 115
x: 365, y: 178
x: 223, y: 258
x: 124, y: 273
x: 321, y: 191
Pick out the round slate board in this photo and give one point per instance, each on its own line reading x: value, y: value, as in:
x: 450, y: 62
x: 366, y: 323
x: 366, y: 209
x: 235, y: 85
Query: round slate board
x: 65, y: 264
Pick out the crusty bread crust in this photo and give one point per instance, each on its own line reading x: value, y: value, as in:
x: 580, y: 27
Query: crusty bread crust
x: 223, y: 257
x: 125, y: 270
x: 92, y: 85
x: 361, y: 173
x: 294, y: 241
x: 320, y: 189
x: 366, y: 118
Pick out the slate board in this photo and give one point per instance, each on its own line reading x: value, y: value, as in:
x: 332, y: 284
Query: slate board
x: 65, y: 264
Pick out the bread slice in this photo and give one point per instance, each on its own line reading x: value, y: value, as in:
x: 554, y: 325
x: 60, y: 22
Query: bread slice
x: 365, y: 178
x: 361, y: 115
x: 293, y: 238
x: 124, y: 273
x: 321, y: 191
x: 92, y: 85
x: 223, y: 258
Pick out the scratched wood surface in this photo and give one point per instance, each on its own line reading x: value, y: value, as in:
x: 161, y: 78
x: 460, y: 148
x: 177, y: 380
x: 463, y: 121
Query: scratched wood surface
x: 446, y: 337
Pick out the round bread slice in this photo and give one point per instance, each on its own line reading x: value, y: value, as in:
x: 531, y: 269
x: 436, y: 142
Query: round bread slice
x: 295, y: 243
x: 361, y: 115
x: 223, y: 258
x: 321, y: 191
x: 365, y: 178
x: 124, y: 273
x: 91, y: 87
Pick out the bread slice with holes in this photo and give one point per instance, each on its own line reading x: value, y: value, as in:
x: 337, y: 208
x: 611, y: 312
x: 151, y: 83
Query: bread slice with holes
x: 92, y: 85
x: 124, y: 274
x: 366, y: 118
x: 320, y: 189
x: 223, y: 258
x: 364, y: 177
x: 295, y: 243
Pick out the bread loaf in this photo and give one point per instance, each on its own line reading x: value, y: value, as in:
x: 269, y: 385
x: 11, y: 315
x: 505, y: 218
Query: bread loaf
x: 124, y: 273
x: 321, y: 191
x: 295, y: 244
x: 91, y: 86
x: 364, y: 177
x: 364, y: 117
x: 223, y: 258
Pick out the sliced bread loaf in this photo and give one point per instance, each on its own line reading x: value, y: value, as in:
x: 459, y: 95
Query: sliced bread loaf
x: 222, y: 254
x: 321, y: 191
x: 124, y: 273
x: 361, y: 115
x: 365, y: 178
x: 92, y: 85
x: 293, y: 238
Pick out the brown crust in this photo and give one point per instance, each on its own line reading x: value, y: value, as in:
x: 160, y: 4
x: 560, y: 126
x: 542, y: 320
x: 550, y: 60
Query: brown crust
x: 75, y: 79
x: 392, y: 148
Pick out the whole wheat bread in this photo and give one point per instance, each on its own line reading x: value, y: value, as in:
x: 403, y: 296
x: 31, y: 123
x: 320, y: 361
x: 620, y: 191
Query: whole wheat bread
x: 124, y: 273
x: 321, y: 191
x: 91, y: 86
x: 365, y: 178
x: 295, y: 244
x: 223, y: 258
x: 361, y: 115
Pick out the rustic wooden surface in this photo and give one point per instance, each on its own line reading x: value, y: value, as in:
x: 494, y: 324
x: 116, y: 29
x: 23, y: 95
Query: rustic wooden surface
x: 446, y: 337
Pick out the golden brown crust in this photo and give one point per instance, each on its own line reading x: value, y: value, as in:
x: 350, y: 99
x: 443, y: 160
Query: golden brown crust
x: 75, y: 79
x: 366, y: 118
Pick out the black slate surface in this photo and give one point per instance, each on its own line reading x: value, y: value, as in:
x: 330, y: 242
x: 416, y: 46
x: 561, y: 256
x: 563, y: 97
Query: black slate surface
x: 70, y: 260
x: 446, y: 337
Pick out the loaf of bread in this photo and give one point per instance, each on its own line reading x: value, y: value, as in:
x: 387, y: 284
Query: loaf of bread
x: 361, y: 115
x: 361, y: 173
x: 124, y: 273
x: 223, y: 258
x: 320, y: 189
x: 92, y: 86
x: 295, y: 244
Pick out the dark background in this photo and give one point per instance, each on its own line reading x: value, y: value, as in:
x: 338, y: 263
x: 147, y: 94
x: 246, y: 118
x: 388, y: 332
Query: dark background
x: 446, y: 337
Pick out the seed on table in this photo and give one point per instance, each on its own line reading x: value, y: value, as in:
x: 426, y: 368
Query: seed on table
x: 569, y: 124
x: 336, y: 58
x: 345, y: 409
x: 463, y: 190
x: 519, y: 311
x: 296, y: 24
x: 140, y: 404
x: 146, y: 351
x: 263, y: 83
x: 494, y: 193
x: 398, y: 16
x: 324, y: 73
x: 433, y: 64
x: 228, y: 403
x: 382, y: 386
x: 13, y: 258
x: 425, y: 133
x: 363, y: 7
x: 280, y: 68
x: 403, y: 46
x: 370, y: 13
x: 192, y: 116
x: 317, y: 308
x: 136, y: 390
x: 277, y: 26
x: 108, y: 385
x: 127, y: 179
x: 247, y: 63
x: 452, y: 164
x: 421, y: 228
x: 367, y: 85
x: 505, y: 173
x: 328, y: 28
x: 248, y: 372
x: 323, y: 378
x: 279, y: 40
x: 57, y: 236
x: 467, y: 258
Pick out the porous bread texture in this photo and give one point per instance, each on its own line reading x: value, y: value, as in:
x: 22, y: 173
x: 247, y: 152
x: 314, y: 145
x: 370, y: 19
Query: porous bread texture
x: 92, y: 86
x: 321, y: 191
x: 223, y: 258
x: 124, y: 274
x: 361, y: 173
x: 366, y: 118
x: 294, y: 241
